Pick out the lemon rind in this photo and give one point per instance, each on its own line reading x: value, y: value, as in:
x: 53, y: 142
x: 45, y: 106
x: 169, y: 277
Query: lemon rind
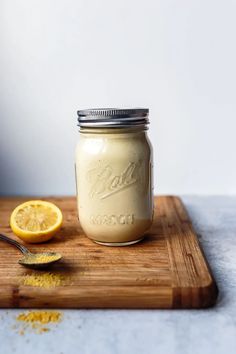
x: 46, y: 234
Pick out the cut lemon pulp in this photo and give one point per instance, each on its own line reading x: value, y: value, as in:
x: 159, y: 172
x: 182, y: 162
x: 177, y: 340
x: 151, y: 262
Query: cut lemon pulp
x: 36, y: 221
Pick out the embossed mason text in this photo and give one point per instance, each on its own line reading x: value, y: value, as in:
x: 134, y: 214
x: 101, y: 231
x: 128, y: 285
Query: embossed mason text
x: 122, y: 219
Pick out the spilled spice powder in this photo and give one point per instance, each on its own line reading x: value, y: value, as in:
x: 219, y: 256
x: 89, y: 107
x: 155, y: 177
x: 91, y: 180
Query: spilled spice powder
x: 36, y: 320
x: 42, y: 317
x: 43, y: 280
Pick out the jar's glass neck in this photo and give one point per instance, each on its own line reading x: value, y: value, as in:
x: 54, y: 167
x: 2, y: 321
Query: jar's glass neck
x: 120, y: 130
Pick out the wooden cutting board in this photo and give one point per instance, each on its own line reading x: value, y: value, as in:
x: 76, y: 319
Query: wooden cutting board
x: 166, y: 270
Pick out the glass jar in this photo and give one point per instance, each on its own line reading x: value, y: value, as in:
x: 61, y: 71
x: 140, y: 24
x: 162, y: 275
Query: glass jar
x: 114, y: 175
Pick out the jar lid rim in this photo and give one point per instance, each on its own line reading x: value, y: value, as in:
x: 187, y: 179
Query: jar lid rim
x: 100, y: 117
x: 113, y: 112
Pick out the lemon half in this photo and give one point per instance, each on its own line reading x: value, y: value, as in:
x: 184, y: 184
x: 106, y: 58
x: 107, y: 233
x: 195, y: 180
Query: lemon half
x: 36, y: 221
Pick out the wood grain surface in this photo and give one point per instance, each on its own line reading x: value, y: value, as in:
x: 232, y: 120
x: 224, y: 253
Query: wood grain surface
x: 166, y: 270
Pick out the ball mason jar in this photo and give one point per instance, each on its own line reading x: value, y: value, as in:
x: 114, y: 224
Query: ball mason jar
x: 114, y: 175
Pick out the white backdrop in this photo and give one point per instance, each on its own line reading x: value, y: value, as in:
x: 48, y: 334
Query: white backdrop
x: 176, y: 57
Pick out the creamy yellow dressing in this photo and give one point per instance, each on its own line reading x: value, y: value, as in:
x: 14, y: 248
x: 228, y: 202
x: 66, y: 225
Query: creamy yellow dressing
x: 114, y: 184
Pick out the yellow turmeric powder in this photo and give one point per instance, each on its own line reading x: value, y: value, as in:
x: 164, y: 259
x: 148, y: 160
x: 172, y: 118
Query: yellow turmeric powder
x: 44, y: 280
x: 36, y: 320
x: 38, y: 258
x: 42, y: 317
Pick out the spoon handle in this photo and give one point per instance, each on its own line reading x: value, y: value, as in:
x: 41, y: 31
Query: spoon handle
x: 7, y: 239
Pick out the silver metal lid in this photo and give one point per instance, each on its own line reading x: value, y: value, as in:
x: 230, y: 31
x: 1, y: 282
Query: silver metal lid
x: 112, y: 117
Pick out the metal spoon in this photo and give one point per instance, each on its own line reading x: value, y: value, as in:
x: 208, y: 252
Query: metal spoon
x: 33, y: 260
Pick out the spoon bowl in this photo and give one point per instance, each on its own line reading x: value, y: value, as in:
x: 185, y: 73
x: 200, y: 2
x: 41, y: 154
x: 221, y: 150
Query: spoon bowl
x: 40, y: 260
x: 33, y: 260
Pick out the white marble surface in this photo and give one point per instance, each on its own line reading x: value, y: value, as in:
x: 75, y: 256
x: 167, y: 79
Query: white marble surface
x: 151, y: 331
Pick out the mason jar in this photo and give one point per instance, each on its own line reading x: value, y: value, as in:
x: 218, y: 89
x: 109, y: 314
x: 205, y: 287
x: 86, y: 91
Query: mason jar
x: 114, y: 175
